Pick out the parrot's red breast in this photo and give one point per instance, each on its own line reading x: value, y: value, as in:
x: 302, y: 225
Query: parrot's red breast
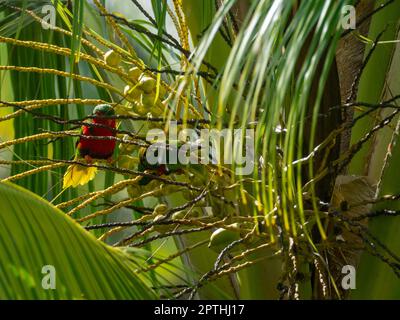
x: 96, y: 148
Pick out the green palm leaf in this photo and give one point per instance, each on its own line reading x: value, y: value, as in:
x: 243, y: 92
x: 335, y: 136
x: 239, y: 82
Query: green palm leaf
x: 34, y: 234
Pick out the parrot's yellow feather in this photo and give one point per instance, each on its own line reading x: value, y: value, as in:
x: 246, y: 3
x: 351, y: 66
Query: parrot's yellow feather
x: 78, y: 175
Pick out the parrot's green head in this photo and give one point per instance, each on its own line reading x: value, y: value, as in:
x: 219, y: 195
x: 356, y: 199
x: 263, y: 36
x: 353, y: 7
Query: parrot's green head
x: 103, y: 110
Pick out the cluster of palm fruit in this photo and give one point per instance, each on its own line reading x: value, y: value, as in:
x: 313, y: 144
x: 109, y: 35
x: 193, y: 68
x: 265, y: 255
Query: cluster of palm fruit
x: 141, y: 92
x: 144, y: 96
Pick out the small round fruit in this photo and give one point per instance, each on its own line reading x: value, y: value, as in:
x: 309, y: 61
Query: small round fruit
x: 134, y: 74
x: 149, y: 100
x: 126, y: 148
x: 167, y: 189
x: 221, y: 238
x: 179, y: 215
x: 154, y: 107
x: 157, y: 110
x: 134, y: 191
x: 160, y: 209
x: 147, y: 84
x: 132, y: 93
x: 140, y: 109
x: 152, y: 186
x: 112, y: 58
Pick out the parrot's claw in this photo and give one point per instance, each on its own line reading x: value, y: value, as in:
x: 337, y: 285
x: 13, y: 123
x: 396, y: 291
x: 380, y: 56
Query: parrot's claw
x: 88, y: 159
x: 110, y: 161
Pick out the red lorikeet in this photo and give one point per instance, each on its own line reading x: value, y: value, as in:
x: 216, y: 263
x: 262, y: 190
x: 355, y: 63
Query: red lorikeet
x: 92, y: 149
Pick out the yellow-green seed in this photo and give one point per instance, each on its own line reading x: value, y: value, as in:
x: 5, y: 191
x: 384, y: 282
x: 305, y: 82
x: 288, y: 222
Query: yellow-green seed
x: 140, y: 109
x: 153, y: 106
x: 134, y: 191
x: 160, y: 209
x: 132, y: 94
x: 147, y: 84
x: 112, y: 58
x: 134, y: 74
x: 126, y: 148
x: 221, y: 238
x: 149, y: 100
x: 179, y: 215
